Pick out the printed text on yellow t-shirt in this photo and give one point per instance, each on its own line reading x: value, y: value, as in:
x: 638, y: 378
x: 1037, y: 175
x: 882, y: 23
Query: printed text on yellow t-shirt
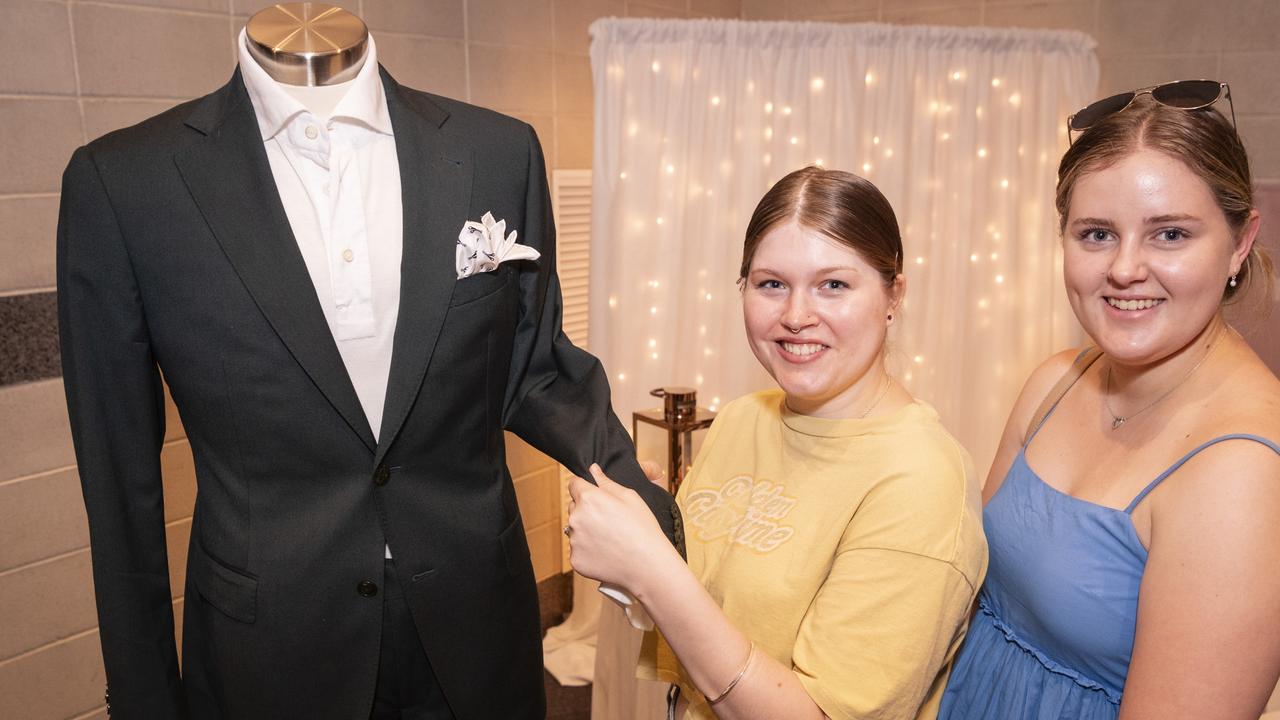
x: 748, y: 512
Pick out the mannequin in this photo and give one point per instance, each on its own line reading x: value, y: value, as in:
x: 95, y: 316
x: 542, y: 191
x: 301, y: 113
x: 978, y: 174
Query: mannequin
x: 356, y: 542
x: 313, y: 50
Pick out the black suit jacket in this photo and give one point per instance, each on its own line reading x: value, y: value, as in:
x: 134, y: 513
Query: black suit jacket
x: 175, y: 257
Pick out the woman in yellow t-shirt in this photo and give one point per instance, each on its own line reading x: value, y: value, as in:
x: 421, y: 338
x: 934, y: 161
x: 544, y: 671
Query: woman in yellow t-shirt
x: 833, y: 526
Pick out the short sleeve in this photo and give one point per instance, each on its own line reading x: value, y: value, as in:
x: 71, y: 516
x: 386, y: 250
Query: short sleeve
x: 879, y: 633
x: 893, y: 609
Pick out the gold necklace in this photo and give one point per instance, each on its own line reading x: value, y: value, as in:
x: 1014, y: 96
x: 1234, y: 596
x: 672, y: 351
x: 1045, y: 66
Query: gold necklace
x: 884, y: 389
x: 1118, y: 420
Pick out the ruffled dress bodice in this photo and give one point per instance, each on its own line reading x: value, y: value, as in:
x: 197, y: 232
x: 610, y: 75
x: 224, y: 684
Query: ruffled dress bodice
x: 1056, y: 619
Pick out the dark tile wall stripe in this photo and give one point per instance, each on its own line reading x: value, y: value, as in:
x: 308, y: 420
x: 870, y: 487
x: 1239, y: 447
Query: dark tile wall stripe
x: 29, y: 338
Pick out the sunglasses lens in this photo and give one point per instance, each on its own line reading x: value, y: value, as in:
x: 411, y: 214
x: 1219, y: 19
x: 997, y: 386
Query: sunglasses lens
x: 1188, y: 94
x: 1091, y: 114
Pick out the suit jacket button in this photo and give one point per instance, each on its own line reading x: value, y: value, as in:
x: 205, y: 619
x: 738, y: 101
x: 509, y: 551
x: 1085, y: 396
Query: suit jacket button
x: 367, y: 589
x: 381, y: 475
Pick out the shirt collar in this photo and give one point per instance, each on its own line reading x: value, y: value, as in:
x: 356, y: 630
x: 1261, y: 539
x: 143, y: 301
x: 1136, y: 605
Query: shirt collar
x: 364, y: 101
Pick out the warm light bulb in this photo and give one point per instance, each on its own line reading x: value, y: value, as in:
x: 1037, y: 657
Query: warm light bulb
x: 995, y: 82
x: 768, y: 107
x: 653, y: 310
x: 817, y: 84
x: 869, y: 78
x: 1004, y: 183
x: 919, y: 260
x: 794, y: 139
x: 982, y: 152
x: 973, y: 257
x: 875, y: 139
x: 671, y: 169
x: 999, y: 278
x: 622, y: 175
x: 653, y: 343
x: 657, y: 66
x: 1015, y: 99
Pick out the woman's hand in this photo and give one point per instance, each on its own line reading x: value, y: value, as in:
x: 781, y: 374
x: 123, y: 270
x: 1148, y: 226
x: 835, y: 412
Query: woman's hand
x: 613, y: 536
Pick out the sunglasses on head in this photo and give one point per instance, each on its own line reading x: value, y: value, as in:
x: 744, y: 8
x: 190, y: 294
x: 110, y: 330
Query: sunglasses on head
x: 1181, y: 94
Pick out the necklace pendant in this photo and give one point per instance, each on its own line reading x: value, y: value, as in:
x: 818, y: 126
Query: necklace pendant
x: 1117, y: 422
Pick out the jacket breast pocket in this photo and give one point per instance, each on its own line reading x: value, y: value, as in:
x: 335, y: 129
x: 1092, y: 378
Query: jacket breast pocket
x: 231, y: 592
x: 479, y: 285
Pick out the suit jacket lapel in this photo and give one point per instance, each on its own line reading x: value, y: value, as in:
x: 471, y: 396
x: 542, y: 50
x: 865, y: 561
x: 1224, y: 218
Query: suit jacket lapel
x: 228, y: 174
x: 435, y: 191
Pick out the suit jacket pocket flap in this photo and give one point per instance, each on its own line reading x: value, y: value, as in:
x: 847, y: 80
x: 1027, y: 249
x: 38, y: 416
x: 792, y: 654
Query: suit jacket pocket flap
x: 479, y: 285
x: 232, y: 592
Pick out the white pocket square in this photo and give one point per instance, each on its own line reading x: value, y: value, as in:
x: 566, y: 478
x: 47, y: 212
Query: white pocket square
x: 484, y: 245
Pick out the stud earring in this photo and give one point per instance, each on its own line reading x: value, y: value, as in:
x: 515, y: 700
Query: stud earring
x: 890, y: 317
x: 1232, y: 282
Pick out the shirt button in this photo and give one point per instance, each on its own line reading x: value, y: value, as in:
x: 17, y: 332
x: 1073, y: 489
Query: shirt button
x: 311, y: 132
x: 367, y: 589
x: 348, y: 255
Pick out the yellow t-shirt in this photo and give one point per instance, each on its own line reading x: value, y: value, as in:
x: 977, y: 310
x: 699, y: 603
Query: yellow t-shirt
x: 848, y: 550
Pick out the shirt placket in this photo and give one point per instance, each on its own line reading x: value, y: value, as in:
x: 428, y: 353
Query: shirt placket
x: 347, y: 243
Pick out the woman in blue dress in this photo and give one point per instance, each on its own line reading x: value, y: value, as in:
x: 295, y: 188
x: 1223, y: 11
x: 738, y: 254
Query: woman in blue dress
x: 1133, y: 508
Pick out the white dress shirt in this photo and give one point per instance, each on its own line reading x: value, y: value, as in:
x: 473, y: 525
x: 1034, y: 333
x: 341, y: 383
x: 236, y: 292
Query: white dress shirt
x: 339, y: 180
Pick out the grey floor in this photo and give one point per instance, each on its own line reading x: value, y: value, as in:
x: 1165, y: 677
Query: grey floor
x: 555, y: 598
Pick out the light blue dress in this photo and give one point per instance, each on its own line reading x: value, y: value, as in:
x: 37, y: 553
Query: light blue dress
x: 1056, y: 618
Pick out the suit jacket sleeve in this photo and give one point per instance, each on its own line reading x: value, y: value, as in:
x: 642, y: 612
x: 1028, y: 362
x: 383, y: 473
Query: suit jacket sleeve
x: 116, y: 406
x: 558, y: 394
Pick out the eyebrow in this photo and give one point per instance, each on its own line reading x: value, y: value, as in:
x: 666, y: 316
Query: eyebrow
x: 823, y: 271
x: 1091, y: 221
x: 1161, y: 219
x: 1153, y: 220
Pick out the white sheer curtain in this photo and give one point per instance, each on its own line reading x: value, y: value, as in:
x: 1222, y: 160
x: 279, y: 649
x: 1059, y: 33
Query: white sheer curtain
x: 961, y: 128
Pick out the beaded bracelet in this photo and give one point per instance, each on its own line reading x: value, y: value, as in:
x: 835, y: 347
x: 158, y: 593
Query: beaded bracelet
x: 734, y: 683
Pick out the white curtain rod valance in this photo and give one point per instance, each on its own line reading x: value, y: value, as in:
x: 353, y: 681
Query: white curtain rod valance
x: 764, y: 35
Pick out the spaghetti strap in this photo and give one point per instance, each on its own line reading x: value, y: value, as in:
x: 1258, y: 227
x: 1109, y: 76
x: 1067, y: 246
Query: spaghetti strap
x: 1193, y: 453
x: 1083, y: 361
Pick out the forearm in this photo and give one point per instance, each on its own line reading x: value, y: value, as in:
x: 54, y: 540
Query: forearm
x: 713, y: 651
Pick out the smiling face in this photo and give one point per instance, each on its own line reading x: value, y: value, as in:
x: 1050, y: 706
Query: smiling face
x: 816, y: 318
x: 1147, y: 254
